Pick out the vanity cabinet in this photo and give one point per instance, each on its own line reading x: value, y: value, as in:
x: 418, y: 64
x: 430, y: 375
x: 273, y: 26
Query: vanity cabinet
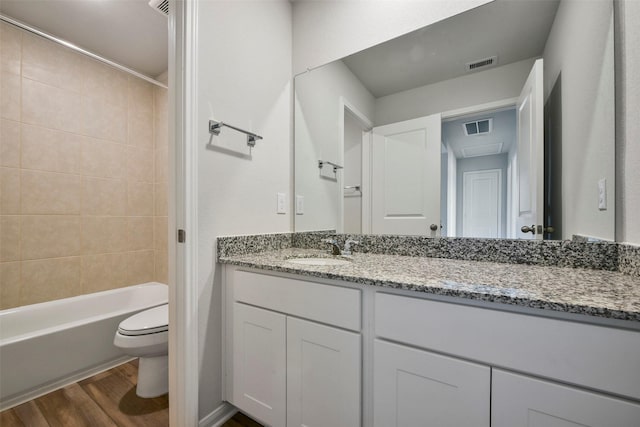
x: 419, y: 388
x: 290, y: 371
x: 417, y: 384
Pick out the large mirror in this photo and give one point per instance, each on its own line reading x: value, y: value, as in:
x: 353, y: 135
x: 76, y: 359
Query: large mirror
x: 498, y: 122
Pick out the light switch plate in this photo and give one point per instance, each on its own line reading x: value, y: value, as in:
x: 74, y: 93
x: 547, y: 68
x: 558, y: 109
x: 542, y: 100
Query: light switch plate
x: 602, y: 194
x: 299, y: 205
x: 282, y: 203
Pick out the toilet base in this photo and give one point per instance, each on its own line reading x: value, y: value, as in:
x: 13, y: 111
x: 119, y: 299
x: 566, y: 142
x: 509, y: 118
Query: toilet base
x: 153, y: 376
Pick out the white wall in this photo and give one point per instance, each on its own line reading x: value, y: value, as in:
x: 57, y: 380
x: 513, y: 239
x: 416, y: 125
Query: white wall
x: 580, y: 50
x: 324, y: 31
x: 244, y: 78
x: 628, y: 126
x: 318, y: 115
x: 478, y: 88
x: 352, y: 174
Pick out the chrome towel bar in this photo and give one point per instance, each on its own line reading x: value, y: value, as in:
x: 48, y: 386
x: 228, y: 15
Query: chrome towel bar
x: 214, y: 128
x: 321, y: 164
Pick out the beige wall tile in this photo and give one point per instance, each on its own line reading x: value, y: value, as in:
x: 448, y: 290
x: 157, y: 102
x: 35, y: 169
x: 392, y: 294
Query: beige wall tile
x: 50, y: 193
x: 161, y: 231
x: 51, y: 107
x: 103, y: 272
x: 161, y: 118
x: 102, y: 234
x: 50, y: 236
x: 9, y: 191
x: 161, y: 165
x: 10, y: 99
x: 51, y: 63
x: 162, y: 274
x: 141, y: 128
x: 10, y: 238
x: 106, y: 84
x: 10, y: 48
x: 50, y: 279
x: 140, y: 230
x: 140, y: 95
x: 140, y: 267
x: 9, y: 284
x: 103, y: 158
x: 160, y: 199
x: 139, y: 164
x: 140, y: 199
x: 50, y: 150
x: 104, y: 197
x: 103, y: 120
x: 9, y: 143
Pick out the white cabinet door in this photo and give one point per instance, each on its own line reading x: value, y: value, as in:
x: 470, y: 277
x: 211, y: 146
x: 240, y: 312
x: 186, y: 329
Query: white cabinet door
x: 415, y: 388
x: 519, y: 401
x: 323, y: 375
x: 259, y: 363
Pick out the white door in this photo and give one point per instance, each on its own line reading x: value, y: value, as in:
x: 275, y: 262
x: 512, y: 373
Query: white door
x: 323, y: 375
x: 414, y: 388
x: 519, y: 401
x: 405, y: 177
x: 259, y: 363
x: 482, y: 203
x: 530, y: 167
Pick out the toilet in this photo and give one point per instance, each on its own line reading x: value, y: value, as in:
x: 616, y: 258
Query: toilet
x: 146, y: 335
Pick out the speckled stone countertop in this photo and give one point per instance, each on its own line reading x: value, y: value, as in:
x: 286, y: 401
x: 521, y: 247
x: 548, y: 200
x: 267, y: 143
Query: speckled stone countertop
x: 600, y: 293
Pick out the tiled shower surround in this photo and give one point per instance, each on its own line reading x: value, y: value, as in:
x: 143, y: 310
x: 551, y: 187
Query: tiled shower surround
x: 553, y: 253
x: 83, y: 172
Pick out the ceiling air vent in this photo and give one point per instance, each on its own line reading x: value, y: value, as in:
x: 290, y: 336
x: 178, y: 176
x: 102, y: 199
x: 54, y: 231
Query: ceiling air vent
x: 478, y: 127
x: 481, y: 63
x: 161, y: 6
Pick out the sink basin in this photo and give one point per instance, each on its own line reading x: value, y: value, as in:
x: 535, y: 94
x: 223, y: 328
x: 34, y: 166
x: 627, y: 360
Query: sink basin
x: 318, y: 261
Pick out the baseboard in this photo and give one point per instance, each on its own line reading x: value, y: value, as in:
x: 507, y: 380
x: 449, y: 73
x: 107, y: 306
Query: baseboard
x: 58, y: 384
x: 218, y: 416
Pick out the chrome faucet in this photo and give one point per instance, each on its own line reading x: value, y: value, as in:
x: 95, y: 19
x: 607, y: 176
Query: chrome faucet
x: 335, y: 249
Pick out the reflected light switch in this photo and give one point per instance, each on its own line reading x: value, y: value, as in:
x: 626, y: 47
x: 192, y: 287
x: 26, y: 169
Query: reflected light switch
x: 299, y: 205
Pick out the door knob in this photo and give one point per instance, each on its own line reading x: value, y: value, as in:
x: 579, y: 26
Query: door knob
x: 549, y: 229
x: 527, y: 229
x: 433, y: 227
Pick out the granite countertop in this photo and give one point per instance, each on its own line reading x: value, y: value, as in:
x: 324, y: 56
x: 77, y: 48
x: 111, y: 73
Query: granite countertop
x: 599, y: 293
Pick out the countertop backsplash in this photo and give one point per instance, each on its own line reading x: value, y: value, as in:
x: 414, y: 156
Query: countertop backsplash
x: 554, y: 253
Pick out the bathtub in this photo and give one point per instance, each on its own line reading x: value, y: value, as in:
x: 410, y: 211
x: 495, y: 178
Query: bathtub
x: 52, y: 344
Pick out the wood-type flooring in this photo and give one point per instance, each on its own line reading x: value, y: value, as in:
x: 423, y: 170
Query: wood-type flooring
x: 107, y: 399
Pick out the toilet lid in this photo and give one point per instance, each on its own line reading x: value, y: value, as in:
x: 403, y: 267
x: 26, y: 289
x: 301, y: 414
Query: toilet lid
x: 146, y: 322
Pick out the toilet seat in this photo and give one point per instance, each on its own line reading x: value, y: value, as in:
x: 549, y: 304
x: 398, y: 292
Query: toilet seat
x: 152, y: 321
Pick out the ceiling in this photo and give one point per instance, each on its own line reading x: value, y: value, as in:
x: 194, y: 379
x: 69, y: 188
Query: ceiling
x: 511, y: 29
x: 128, y: 32
x: 501, y: 137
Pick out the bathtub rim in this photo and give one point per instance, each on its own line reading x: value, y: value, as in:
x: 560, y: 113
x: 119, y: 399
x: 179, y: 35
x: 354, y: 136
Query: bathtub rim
x: 81, y: 321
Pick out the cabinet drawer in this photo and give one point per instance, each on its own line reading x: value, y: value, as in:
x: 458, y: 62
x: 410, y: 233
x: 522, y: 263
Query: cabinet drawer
x: 328, y: 304
x: 598, y: 357
x: 517, y: 400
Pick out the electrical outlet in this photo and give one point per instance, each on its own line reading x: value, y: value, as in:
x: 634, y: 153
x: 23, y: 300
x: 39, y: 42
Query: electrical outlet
x: 282, y: 203
x: 602, y: 194
x: 299, y: 205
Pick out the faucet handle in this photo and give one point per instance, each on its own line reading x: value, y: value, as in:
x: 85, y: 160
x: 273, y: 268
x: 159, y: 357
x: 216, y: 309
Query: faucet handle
x: 347, y: 246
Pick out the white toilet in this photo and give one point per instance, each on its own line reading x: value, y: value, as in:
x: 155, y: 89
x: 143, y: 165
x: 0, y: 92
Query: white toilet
x: 146, y: 335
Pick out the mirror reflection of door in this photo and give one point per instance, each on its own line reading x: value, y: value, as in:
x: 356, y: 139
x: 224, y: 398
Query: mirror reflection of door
x: 405, y: 180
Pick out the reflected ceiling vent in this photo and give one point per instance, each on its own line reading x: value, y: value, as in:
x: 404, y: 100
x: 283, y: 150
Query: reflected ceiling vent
x: 482, y: 63
x: 162, y: 6
x: 478, y: 127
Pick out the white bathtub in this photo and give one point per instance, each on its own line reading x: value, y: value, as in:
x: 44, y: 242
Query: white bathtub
x: 49, y: 345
